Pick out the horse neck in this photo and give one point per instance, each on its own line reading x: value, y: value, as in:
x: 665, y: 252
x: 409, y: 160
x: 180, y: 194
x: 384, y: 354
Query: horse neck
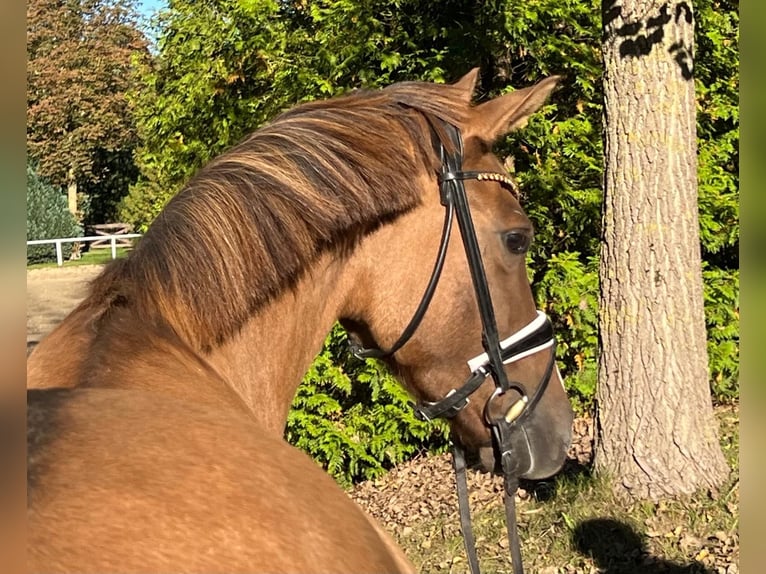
x: 265, y: 362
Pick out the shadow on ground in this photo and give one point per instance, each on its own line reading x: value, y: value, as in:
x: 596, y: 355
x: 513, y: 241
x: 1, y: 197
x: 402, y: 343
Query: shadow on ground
x: 617, y: 549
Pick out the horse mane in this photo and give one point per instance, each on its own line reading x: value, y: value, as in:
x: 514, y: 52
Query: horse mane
x: 253, y: 220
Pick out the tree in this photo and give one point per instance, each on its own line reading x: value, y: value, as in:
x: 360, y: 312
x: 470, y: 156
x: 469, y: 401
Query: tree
x: 657, y: 435
x: 80, y: 54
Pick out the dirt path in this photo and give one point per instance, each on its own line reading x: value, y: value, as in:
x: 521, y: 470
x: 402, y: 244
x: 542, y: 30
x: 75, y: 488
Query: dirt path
x: 51, y: 294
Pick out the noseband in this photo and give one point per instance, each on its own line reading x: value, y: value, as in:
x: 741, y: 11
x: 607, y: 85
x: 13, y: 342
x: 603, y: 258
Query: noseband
x: 533, y: 338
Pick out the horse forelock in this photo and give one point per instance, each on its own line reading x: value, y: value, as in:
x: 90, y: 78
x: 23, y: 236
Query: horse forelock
x: 253, y: 220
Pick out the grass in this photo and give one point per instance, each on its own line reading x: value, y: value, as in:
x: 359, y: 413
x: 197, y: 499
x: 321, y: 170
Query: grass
x: 91, y: 257
x: 575, y: 524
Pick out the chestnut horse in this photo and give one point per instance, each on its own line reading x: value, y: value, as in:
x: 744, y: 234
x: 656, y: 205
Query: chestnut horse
x: 155, y: 427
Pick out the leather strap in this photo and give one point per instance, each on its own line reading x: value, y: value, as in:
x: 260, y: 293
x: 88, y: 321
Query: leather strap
x: 450, y: 176
x: 372, y: 352
x: 511, y: 485
x: 451, y: 404
x: 469, y: 542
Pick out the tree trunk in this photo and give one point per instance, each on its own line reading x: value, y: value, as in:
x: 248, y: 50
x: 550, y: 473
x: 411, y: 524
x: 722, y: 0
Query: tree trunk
x: 657, y: 435
x: 71, y: 192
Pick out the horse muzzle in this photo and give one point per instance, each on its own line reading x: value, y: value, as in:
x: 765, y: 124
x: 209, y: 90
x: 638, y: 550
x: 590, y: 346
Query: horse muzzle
x: 529, y: 457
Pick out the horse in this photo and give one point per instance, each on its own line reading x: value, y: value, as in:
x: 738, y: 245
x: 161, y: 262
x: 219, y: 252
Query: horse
x: 156, y: 409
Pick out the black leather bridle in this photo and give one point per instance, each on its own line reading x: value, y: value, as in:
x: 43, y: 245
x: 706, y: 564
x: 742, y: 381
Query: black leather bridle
x: 533, y: 338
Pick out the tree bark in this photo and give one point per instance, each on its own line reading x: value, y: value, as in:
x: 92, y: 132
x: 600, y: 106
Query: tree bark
x: 657, y: 434
x: 71, y: 192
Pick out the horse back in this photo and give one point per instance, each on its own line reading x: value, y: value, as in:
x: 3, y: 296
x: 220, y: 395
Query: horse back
x: 129, y: 481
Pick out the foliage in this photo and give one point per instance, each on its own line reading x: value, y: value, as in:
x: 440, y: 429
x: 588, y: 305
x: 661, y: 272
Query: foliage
x: 225, y: 67
x: 206, y: 88
x: 47, y: 218
x: 721, y: 292
x: 557, y: 159
x: 79, y: 124
x: 568, y: 291
x: 354, y: 418
x: 717, y: 86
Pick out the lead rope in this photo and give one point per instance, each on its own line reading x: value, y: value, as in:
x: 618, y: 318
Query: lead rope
x: 510, y: 484
x: 458, y: 463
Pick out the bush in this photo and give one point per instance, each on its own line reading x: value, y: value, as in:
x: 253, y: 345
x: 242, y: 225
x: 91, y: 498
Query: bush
x: 354, y: 418
x: 716, y: 71
x: 721, y: 292
x: 47, y: 218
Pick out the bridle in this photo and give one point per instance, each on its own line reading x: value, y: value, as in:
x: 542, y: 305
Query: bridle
x: 533, y: 338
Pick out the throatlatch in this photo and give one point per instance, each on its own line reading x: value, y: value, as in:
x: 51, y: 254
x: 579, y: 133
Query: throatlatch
x: 535, y: 337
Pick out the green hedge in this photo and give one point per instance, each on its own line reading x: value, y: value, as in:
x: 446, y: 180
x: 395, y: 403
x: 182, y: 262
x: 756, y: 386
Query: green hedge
x: 354, y: 418
x: 47, y: 218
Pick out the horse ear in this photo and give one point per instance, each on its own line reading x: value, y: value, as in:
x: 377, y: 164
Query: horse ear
x: 512, y: 111
x: 468, y: 84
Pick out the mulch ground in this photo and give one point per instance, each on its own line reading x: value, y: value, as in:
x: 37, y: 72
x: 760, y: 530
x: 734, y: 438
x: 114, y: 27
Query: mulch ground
x: 424, y: 488
x: 415, y: 495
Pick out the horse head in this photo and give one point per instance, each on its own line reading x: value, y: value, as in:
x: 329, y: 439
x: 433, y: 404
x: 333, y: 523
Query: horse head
x: 525, y: 415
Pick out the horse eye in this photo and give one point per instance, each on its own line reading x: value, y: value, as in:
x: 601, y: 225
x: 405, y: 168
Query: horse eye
x: 517, y: 241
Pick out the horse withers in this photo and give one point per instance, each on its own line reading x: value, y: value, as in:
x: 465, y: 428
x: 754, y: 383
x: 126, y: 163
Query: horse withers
x: 157, y: 444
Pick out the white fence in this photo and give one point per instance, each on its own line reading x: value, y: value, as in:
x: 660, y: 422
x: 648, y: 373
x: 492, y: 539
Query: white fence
x: 113, y: 239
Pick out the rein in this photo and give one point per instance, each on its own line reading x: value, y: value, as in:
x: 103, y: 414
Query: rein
x: 533, y: 338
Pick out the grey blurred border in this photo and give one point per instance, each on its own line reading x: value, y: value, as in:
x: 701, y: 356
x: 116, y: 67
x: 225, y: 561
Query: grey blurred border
x: 13, y: 179
x: 13, y: 284
x: 753, y: 283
